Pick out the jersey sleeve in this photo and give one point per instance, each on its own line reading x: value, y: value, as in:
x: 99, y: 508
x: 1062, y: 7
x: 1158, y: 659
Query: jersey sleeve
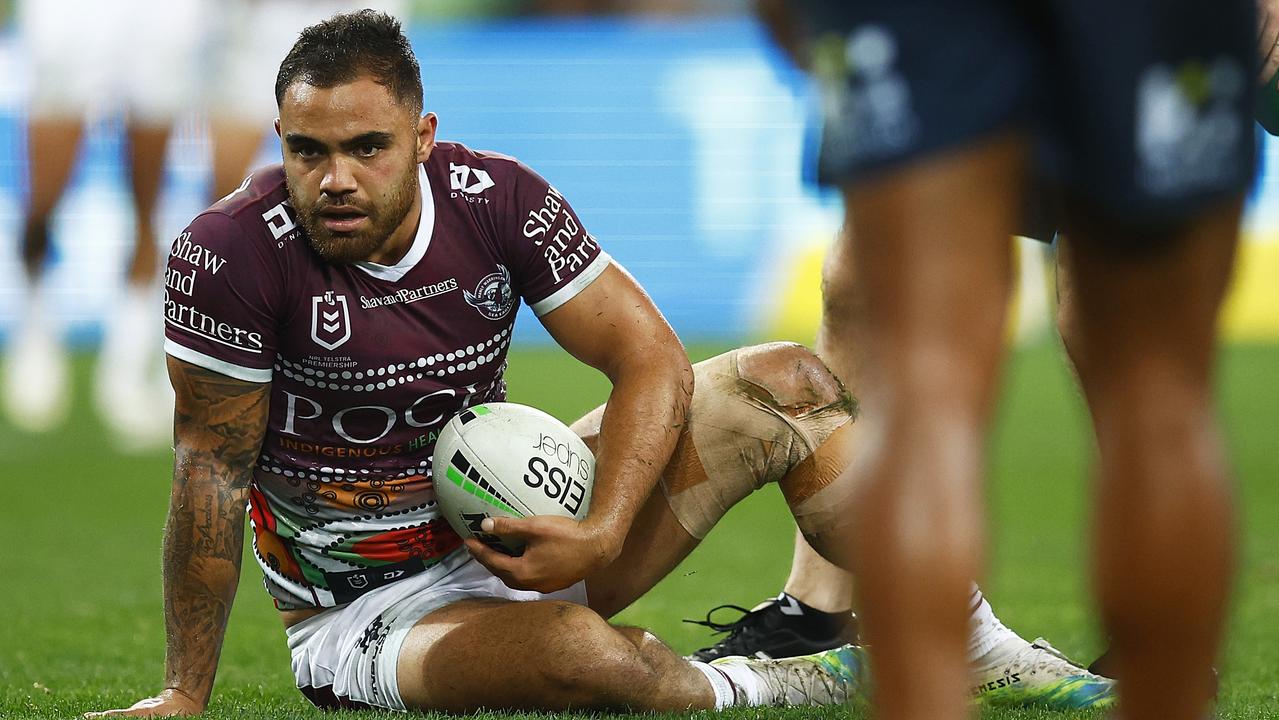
x: 220, y: 296
x: 553, y: 257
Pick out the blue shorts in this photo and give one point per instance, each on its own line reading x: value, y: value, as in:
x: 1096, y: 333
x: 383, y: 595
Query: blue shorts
x: 1143, y: 107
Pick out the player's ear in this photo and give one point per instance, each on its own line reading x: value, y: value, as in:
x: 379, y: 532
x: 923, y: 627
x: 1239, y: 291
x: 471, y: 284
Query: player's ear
x: 426, y: 136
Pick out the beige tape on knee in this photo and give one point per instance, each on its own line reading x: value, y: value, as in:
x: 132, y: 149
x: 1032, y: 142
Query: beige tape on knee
x: 818, y: 490
x: 757, y: 414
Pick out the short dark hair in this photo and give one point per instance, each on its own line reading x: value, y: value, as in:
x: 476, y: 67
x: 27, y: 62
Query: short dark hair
x: 346, y: 46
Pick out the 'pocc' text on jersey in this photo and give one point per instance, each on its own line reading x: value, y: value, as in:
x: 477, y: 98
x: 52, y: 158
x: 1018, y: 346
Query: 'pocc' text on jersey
x: 367, y: 362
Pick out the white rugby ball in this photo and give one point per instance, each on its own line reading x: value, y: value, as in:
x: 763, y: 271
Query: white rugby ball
x: 504, y: 459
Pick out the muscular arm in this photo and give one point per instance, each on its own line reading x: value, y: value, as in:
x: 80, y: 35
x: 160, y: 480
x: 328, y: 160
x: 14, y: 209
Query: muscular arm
x: 219, y: 423
x: 612, y: 326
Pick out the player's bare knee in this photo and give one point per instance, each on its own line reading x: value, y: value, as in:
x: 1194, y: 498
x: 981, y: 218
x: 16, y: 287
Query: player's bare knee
x: 585, y: 658
x: 757, y: 413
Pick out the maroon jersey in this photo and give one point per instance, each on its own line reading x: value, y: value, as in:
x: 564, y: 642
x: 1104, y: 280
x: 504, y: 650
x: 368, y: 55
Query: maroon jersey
x: 367, y: 362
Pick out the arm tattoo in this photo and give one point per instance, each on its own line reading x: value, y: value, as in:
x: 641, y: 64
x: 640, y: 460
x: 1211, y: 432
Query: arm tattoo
x: 219, y: 423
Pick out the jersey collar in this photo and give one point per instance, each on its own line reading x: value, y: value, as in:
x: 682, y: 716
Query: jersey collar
x: 425, y: 229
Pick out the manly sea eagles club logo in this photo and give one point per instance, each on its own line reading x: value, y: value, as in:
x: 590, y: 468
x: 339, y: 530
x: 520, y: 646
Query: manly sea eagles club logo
x: 330, y: 320
x: 493, y: 296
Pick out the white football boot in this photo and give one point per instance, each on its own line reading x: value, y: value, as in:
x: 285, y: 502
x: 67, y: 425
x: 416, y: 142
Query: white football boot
x: 1016, y: 672
x: 832, y: 677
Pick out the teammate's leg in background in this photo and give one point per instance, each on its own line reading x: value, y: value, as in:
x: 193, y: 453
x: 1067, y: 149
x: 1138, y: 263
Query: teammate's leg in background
x: 235, y: 144
x: 147, y: 145
x: 126, y: 386
x: 1164, y: 526
x: 930, y: 244
x: 36, y: 390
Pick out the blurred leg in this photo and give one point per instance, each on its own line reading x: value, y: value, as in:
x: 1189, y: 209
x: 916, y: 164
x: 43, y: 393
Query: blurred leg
x: 52, y: 144
x: 36, y: 393
x: 1164, y: 524
x: 147, y: 144
x: 931, y: 251
x: 136, y: 406
x: 235, y: 145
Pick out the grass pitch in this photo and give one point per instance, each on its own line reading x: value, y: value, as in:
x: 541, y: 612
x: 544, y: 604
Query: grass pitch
x: 80, y: 611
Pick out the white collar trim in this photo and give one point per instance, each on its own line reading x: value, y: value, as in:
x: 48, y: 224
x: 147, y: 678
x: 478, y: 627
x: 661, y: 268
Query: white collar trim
x: 421, y: 241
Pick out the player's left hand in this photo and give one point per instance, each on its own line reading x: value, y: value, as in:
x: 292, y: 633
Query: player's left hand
x: 560, y: 551
x: 1268, y: 39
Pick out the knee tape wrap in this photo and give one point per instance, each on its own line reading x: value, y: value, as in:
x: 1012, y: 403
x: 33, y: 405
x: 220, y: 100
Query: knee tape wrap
x: 757, y: 413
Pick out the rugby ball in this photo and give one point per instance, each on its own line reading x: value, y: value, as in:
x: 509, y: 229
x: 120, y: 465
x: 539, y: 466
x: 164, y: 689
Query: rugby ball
x: 504, y: 459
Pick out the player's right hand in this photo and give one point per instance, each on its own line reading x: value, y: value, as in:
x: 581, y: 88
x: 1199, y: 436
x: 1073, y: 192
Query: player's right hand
x: 169, y: 703
x: 559, y: 551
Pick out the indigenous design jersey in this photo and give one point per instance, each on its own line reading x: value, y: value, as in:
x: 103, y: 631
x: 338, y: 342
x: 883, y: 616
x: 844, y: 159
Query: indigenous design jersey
x: 367, y: 362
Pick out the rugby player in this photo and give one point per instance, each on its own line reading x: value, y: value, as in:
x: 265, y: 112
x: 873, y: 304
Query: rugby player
x: 940, y: 112
x: 326, y: 319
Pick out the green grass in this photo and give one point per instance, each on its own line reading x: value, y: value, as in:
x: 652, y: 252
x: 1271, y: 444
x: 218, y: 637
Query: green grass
x: 80, y: 613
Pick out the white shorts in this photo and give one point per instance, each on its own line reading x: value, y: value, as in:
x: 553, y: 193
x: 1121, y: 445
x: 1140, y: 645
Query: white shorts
x: 92, y: 57
x: 351, y: 653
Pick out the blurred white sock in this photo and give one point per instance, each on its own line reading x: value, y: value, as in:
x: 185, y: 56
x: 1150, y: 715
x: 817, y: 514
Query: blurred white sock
x: 129, y: 363
x: 36, y: 388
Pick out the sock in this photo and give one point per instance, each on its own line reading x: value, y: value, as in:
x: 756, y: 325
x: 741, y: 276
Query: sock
x: 986, y: 631
x: 725, y: 694
x: 809, y: 621
x: 740, y: 685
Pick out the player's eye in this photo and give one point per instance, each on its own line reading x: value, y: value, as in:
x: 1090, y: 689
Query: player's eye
x: 306, y: 152
x: 367, y: 151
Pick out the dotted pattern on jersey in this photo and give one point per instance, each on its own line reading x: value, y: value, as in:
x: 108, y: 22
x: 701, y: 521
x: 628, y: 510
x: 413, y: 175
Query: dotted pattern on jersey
x: 381, y: 378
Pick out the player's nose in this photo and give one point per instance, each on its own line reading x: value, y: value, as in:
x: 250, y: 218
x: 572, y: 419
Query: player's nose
x: 339, y: 178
